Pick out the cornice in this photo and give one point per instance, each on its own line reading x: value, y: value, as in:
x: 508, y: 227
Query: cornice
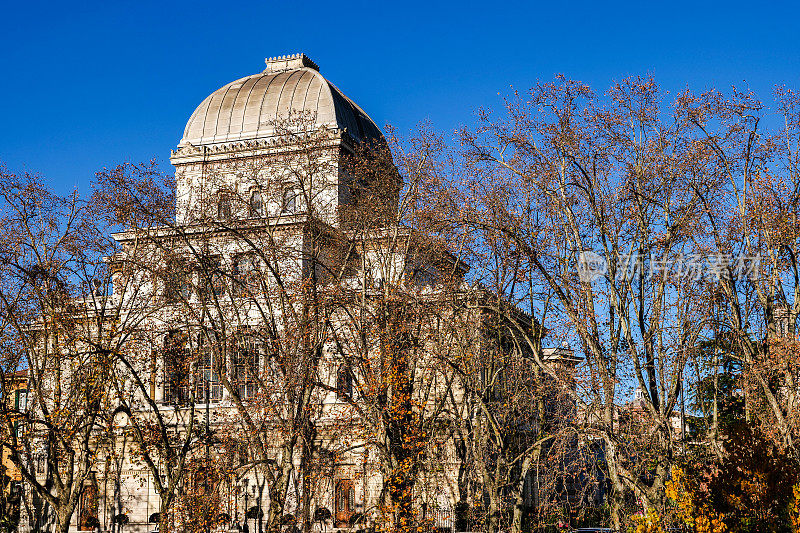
x: 265, y: 146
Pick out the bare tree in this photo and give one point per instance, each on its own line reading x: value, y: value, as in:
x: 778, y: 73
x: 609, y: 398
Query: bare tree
x: 751, y: 223
x: 57, y: 324
x: 561, y: 179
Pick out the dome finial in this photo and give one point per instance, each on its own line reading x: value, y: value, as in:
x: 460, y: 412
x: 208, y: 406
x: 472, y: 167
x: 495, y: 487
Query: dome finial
x: 290, y: 62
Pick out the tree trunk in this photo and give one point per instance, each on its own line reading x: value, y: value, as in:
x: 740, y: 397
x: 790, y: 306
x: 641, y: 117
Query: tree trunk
x: 277, y: 493
x: 493, y: 512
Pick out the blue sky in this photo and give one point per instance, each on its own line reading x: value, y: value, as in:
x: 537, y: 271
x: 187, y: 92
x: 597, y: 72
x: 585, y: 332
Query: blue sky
x: 88, y: 85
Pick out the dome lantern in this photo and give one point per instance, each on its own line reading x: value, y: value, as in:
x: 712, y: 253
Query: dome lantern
x: 290, y: 62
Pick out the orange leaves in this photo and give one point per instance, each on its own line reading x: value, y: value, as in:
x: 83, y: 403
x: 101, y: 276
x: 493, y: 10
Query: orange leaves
x: 698, y: 516
x: 648, y: 522
x: 794, y: 509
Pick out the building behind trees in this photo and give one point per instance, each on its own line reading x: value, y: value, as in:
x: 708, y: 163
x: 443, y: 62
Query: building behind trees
x: 275, y: 340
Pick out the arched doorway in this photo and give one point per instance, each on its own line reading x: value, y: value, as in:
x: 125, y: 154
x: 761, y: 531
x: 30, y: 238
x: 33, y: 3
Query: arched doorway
x: 345, y: 504
x: 87, y: 515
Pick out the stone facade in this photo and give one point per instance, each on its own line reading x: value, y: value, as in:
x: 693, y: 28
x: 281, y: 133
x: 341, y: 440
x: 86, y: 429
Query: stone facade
x: 260, y: 180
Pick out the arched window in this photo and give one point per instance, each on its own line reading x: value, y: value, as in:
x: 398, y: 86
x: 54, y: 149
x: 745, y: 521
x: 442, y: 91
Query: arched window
x: 344, y: 504
x: 289, y: 203
x: 256, y: 204
x: 344, y: 382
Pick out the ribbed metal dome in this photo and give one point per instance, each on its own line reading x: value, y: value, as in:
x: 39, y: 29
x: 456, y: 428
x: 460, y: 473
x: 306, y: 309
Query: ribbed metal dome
x: 248, y: 108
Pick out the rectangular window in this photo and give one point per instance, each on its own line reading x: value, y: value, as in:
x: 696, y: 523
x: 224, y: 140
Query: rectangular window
x: 153, y: 373
x: 21, y: 400
x: 256, y: 204
x: 244, y: 456
x: 206, y: 381
x: 176, y: 281
x: 224, y: 207
x: 247, y: 275
x: 212, y: 276
x: 246, y: 358
x: 177, y: 363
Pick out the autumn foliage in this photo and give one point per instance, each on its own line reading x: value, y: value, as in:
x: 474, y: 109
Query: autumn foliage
x: 433, y: 352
